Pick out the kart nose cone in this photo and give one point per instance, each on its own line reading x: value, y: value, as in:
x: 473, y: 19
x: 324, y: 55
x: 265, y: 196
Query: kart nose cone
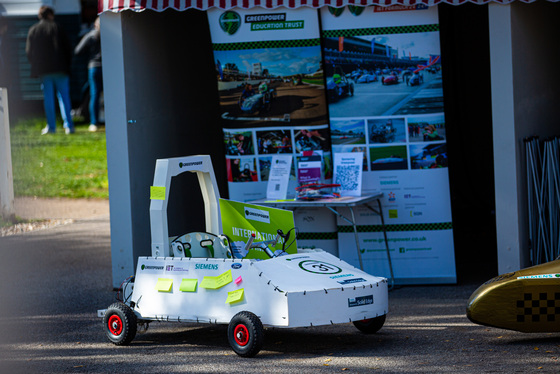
x: 527, y: 300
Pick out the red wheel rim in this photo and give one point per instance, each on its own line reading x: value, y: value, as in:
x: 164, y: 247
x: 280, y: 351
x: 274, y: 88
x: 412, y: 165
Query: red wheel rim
x: 115, y: 325
x: 241, y: 335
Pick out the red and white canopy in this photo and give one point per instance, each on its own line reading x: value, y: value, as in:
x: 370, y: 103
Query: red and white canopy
x: 161, y: 5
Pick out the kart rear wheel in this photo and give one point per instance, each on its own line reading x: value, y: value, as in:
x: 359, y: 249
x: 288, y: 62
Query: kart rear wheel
x: 246, y: 334
x: 119, y: 323
x: 371, y: 325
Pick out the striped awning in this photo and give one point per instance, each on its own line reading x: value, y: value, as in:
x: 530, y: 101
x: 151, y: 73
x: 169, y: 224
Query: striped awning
x: 180, y: 5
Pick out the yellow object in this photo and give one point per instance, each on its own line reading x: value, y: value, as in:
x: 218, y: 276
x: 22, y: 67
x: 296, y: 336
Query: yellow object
x: 157, y: 193
x: 188, y: 285
x: 164, y: 284
x: 213, y: 283
x: 235, y: 296
x: 527, y: 300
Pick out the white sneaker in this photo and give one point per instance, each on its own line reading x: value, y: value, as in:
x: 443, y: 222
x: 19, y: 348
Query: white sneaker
x: 45, y: 131
x: 92, y: 128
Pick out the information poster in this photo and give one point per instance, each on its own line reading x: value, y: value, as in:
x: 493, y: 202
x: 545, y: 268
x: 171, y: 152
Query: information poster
x: 348, y: 173
x: 385, y: 97
x: 279, y: 177
x: 272, y: 92
x: 240, y: 221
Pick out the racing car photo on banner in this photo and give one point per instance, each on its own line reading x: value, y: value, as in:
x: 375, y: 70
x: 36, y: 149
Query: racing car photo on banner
x: 268, y: 67
x: 388, y: 158
x: 383, y: 74
x: 348, y: 131
x: 386, y: 130
x: 428, y: 156
x: 271, y: 86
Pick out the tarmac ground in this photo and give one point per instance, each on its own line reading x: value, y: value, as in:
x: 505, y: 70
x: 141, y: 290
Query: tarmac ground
x: 53, y: 281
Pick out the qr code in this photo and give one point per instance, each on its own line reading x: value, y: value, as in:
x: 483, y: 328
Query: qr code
x: 347, y: 176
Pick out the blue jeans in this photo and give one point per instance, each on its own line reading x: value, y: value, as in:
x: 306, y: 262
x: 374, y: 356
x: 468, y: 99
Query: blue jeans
x: 95, y: 79
x: 59, y: 83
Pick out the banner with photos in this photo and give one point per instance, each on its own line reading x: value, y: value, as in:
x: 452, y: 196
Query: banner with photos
x: 384, y: 84
x: 271, y: 91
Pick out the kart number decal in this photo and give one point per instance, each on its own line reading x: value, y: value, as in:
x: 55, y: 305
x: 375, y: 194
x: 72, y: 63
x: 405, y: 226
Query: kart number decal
x: 319, y: 267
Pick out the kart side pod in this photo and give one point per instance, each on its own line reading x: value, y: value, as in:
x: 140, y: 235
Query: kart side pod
x: 527, y: 300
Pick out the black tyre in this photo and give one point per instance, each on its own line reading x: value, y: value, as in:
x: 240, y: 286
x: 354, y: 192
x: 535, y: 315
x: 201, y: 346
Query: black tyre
x: 120, y: 324
x: 246, y: 334
x: 370, y: 326
x: 266, y: 105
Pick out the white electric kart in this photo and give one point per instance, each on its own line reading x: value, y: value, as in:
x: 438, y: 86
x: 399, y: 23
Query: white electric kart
x: 196, y: 278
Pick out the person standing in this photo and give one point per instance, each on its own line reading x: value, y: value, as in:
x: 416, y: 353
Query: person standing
x: 91, y: 43
x: 49, y: 52
x: 4, y: 49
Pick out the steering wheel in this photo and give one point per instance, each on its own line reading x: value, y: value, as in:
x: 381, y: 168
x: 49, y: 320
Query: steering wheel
x: 201, y: 244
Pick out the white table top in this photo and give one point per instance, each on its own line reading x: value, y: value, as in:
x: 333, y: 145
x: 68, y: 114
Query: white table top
x: 341, y: 201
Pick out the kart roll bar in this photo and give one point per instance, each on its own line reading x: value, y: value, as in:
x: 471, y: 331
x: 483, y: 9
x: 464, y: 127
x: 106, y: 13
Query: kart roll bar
x: 165, y: 170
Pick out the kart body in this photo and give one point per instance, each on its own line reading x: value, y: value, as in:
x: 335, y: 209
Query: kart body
x: 257, y: 102
x: 393, y: 78
x: 202, y: 277
x: 527, y: 300
x: 310, y: 288
x: 337, y: 91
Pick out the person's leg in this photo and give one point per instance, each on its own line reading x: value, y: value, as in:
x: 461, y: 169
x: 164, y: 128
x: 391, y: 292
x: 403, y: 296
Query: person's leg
x: 95, y: 82
x: 64, y: 102
x: 47, y: 84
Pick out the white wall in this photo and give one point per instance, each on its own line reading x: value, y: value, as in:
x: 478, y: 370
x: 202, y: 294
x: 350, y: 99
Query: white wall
x: 7, y: 210
x: 31, y: 7
x: 525, y: 97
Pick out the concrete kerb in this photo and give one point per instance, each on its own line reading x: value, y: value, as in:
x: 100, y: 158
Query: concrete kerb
x: 60, y: 208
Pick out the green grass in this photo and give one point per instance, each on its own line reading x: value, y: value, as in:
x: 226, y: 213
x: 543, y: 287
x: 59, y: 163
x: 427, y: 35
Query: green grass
x: 8, y: 222
x: 58, y: 165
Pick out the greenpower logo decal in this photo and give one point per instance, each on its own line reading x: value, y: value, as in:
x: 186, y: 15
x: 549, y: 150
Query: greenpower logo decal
x: 149, y: 267
x: 230, y: 22
x: 186, y: 164
x: 319, y: 267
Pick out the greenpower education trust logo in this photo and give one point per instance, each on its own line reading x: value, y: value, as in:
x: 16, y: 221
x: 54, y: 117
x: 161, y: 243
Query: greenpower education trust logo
x: 230, y: 22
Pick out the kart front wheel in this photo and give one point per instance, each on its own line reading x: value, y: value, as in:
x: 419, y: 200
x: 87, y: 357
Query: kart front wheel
x: 371, y: 325
x: 119, y: 323
x: 245, y: 334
